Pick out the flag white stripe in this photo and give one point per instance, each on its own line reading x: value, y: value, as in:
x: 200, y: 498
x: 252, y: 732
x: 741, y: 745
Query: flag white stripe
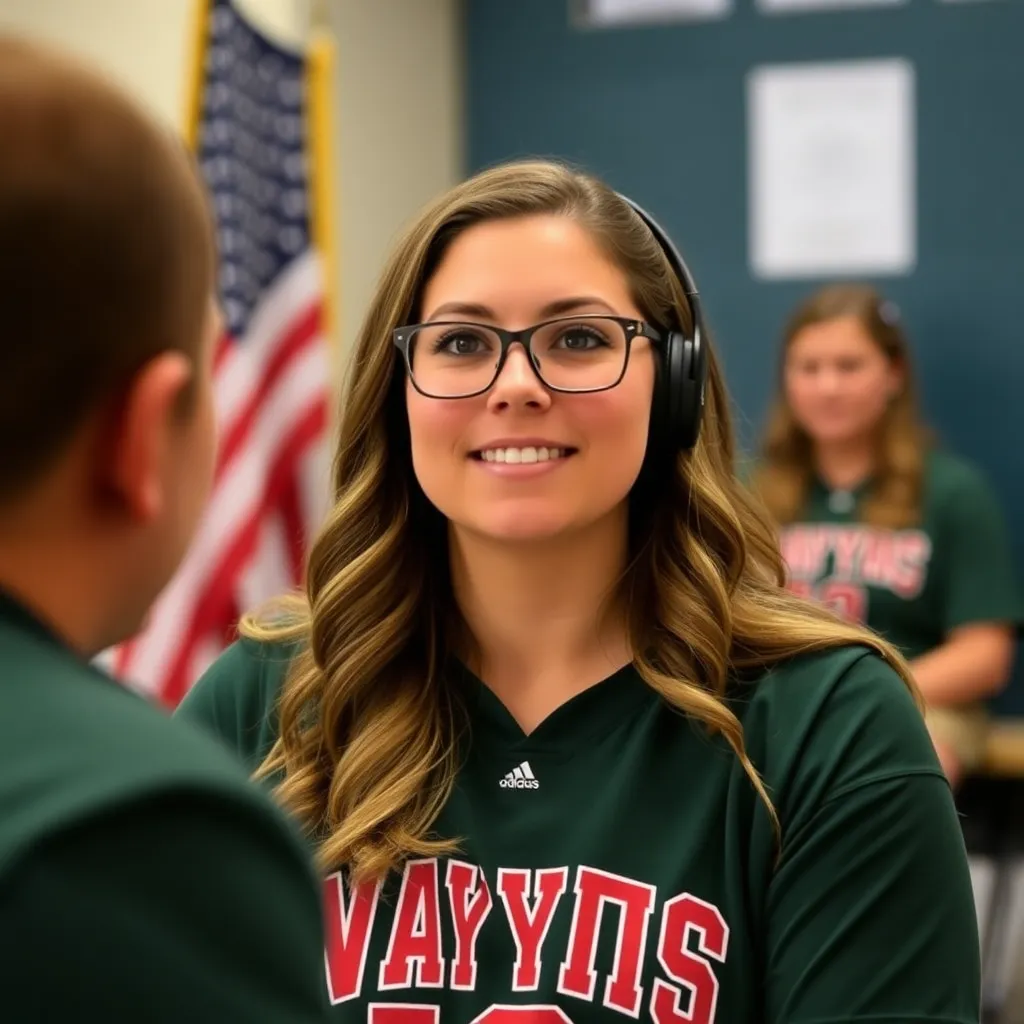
x: 315, y: 482
x: 235, y: 501
x: 297, y: 288
x: 269, y: 571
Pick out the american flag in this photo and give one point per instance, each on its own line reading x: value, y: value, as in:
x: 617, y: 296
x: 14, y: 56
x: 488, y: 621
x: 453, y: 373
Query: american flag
x: 273, y: 363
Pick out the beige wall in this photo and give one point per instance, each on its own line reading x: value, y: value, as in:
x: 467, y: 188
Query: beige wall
x: 398, y: 111
x: 400, y: 115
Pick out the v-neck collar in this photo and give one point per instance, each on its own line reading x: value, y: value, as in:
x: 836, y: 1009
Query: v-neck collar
x: 840, y: 501
x: 591, y: 714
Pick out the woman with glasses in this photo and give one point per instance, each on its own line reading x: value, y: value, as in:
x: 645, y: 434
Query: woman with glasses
x: 566, y: 747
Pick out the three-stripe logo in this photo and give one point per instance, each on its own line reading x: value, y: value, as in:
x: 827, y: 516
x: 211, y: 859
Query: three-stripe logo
x: 521, y: 777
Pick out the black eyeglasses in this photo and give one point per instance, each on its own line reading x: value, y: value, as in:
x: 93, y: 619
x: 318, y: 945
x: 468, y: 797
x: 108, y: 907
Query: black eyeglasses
x: 572, y: 355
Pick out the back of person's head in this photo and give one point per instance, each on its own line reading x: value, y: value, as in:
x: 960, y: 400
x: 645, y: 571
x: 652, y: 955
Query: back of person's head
x: 845, y: 375
x: 107, y: 270
x: 368, y: 727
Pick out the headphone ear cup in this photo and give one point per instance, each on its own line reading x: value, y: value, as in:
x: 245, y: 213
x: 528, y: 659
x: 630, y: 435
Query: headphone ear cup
x: 662, y: 430
x: 682, y: 393
x: 693, y: 390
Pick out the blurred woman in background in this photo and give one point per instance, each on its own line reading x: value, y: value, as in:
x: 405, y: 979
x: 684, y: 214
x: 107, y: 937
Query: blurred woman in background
x: 881, y: 526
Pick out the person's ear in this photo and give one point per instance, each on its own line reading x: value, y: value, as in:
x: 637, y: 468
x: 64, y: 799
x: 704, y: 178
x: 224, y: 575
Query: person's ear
x: 147, y: 428
x: 897, y: 380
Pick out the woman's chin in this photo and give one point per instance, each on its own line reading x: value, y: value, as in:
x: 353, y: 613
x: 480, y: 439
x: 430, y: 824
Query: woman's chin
x: 526, y: 528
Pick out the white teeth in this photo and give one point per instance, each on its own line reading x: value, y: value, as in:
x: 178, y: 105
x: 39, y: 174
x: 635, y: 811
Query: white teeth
x: 515, y: 456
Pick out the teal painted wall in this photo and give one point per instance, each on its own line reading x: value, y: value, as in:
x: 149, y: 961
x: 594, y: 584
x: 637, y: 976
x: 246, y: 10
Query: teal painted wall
x: 660, y: 112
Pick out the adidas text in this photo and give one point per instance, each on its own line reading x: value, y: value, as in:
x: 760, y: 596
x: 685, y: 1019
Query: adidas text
x: 507, y: 783
x: 520, y: 778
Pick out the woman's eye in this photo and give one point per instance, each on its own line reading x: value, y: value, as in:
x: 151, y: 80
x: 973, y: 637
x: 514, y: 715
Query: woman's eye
x: 459, y: 344
x: 579, y: 339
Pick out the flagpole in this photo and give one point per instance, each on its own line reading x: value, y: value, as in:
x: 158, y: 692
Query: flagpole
x: 199, y: 35
x: 320, y: 81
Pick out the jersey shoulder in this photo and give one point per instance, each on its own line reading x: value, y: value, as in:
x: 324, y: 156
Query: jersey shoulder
x: 236, y: 698
x: 75, y: 744
x: 824, y: 723
x: 949, y: 477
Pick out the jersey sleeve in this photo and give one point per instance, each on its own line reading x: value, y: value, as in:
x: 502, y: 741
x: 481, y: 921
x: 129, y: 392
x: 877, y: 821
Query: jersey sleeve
x: 235, y: 699
x: 185, y: 907
x: 870, y: 912
x: 980, y: 584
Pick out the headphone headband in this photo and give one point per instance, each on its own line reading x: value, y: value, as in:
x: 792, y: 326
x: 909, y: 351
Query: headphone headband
x: 675, y: 258
x: 676, y: 414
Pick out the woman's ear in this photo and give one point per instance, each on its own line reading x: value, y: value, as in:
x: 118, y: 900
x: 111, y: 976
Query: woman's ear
x: 897, y: 379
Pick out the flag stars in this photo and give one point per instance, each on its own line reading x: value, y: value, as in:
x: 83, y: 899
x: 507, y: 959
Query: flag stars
x: 251, y: 154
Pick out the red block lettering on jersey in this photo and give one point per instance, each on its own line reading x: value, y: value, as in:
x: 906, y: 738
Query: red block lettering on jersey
x: 848, y: 600
x: 682, y: 916
x: 530, y: 925
x: 522, y: 1015
x: 849, y: 548
x: 402, y: 1013
x: 348, y: 935
x: 636, y: 902
x: 416, y: 931
x: 468, y: 916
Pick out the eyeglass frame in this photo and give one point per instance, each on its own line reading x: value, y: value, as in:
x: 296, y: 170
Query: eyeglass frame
x: 633, y: 328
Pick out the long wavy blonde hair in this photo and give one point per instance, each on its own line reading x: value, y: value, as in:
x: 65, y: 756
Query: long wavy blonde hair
x: 786, y: 467
x: 368, y: 742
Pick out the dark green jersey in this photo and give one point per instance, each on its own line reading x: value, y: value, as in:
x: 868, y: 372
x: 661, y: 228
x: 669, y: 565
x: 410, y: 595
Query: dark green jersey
x: 616, y: 863
x: 130, y: 849
x: 911, y: 585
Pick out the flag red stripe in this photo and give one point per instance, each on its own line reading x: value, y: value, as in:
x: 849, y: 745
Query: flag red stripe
x: 123, y: 656
x: 213, y: 608
x: 303, y: 331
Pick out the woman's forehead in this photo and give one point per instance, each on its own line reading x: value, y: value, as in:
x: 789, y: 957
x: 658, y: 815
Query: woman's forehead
x: 525, y: 264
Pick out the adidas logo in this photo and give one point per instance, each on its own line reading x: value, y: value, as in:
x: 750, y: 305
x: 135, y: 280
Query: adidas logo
x: 520, y: 778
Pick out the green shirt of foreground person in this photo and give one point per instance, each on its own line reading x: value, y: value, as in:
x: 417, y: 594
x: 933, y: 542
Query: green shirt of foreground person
x: 143, y: 878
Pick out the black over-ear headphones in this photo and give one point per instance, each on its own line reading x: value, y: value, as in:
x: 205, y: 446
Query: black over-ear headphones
x: 679, y: 392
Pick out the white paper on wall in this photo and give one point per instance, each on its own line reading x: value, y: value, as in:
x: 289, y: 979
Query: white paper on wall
x: 831, y: 164
x: 794, y: 6
x: 625, y: 12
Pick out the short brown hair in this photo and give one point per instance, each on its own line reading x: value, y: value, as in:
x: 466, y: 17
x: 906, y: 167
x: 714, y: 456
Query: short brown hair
x: 106, y: 251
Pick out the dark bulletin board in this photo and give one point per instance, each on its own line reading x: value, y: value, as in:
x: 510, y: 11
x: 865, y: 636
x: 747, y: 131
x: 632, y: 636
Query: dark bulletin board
x: 660, y: 112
